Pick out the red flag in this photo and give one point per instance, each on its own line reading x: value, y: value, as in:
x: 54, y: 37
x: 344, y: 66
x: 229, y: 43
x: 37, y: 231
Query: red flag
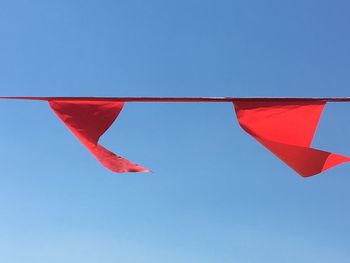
x: 287, y: 130
x: 89, y: 120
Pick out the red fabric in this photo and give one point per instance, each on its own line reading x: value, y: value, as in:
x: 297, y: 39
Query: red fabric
x: 89, y: 120
x: 287, y: 130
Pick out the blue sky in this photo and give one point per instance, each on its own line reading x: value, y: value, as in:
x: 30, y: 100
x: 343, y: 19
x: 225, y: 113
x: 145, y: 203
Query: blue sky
x: 215, y: 195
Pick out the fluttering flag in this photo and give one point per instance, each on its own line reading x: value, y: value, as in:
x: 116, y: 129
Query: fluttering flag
x: 287, y: 130
x: 285, y: 126
x: 88, y: 121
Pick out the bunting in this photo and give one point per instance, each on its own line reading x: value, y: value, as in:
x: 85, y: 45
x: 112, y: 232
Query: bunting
x: 287, y: 130
x: 285, y: 126
x: 88, y: 121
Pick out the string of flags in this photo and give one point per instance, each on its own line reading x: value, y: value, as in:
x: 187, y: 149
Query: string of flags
x: 285, y: 126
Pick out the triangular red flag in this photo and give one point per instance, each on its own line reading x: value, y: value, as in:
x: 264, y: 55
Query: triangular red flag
x: 89, y: 120
x: 287, y: 130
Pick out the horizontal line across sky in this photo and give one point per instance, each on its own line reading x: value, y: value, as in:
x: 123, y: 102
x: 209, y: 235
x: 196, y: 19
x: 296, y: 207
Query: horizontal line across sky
x: 183, y: 99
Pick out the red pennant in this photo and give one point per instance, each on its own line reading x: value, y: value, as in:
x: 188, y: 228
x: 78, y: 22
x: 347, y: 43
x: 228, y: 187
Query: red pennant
x: 287, y: 130
x: 89, y: 120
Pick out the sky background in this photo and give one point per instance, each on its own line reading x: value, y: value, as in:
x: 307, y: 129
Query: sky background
x: 215, y: 194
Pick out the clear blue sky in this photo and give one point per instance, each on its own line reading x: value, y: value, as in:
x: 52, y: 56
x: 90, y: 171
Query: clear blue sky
x: 215, y: 194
